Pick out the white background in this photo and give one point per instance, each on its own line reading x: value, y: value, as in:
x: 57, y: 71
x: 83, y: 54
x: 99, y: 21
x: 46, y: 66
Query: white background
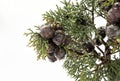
x: 18, y: 62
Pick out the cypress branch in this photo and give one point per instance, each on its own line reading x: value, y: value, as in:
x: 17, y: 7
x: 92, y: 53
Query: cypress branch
x: 69, y: 33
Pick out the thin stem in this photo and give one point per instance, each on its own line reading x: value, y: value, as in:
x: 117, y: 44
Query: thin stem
x: 76, y: 51
x: 100, y: 50
x: 93, y: 3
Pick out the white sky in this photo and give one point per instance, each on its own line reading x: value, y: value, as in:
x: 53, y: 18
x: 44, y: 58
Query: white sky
x: 18, y: 62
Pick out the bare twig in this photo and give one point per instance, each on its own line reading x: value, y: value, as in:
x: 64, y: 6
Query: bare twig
x: 76, y: 51
x: 100, y: 49
x: 96, y: 45
x: 93, y: 2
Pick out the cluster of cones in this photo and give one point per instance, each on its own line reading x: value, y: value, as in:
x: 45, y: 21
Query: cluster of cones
x: 112, y: 28
x: 57, y: 38
x: 56, y: 41
x: 113, y: 21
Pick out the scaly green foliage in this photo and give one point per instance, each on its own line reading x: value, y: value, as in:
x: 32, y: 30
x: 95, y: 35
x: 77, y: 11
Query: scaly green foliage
x: 82, y: 61
x: 37, y: 42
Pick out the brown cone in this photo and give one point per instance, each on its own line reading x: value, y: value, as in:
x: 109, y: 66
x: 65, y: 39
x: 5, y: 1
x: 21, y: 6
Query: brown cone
x: 51, y: 57
x: 60, y: 53
x: 46, y: 31
x: 51, y: 46
x: 59, y: 38
x: 67, y: 40
x: 114, y: 14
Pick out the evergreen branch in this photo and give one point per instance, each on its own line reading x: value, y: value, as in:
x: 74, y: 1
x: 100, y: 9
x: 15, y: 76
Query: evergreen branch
x: 77, y: 21
x: 38, y: 44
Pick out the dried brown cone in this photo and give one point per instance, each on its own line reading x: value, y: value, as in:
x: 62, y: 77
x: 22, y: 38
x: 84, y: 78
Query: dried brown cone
x: 51, y: 50
x: 58, y: 38
x: 112, y: 31
x: 52, y: 57
x: 114, y: 14
x: 60, y: 53
x: 46, y: 31
x: 51, y: 46
x: 67, y: 40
